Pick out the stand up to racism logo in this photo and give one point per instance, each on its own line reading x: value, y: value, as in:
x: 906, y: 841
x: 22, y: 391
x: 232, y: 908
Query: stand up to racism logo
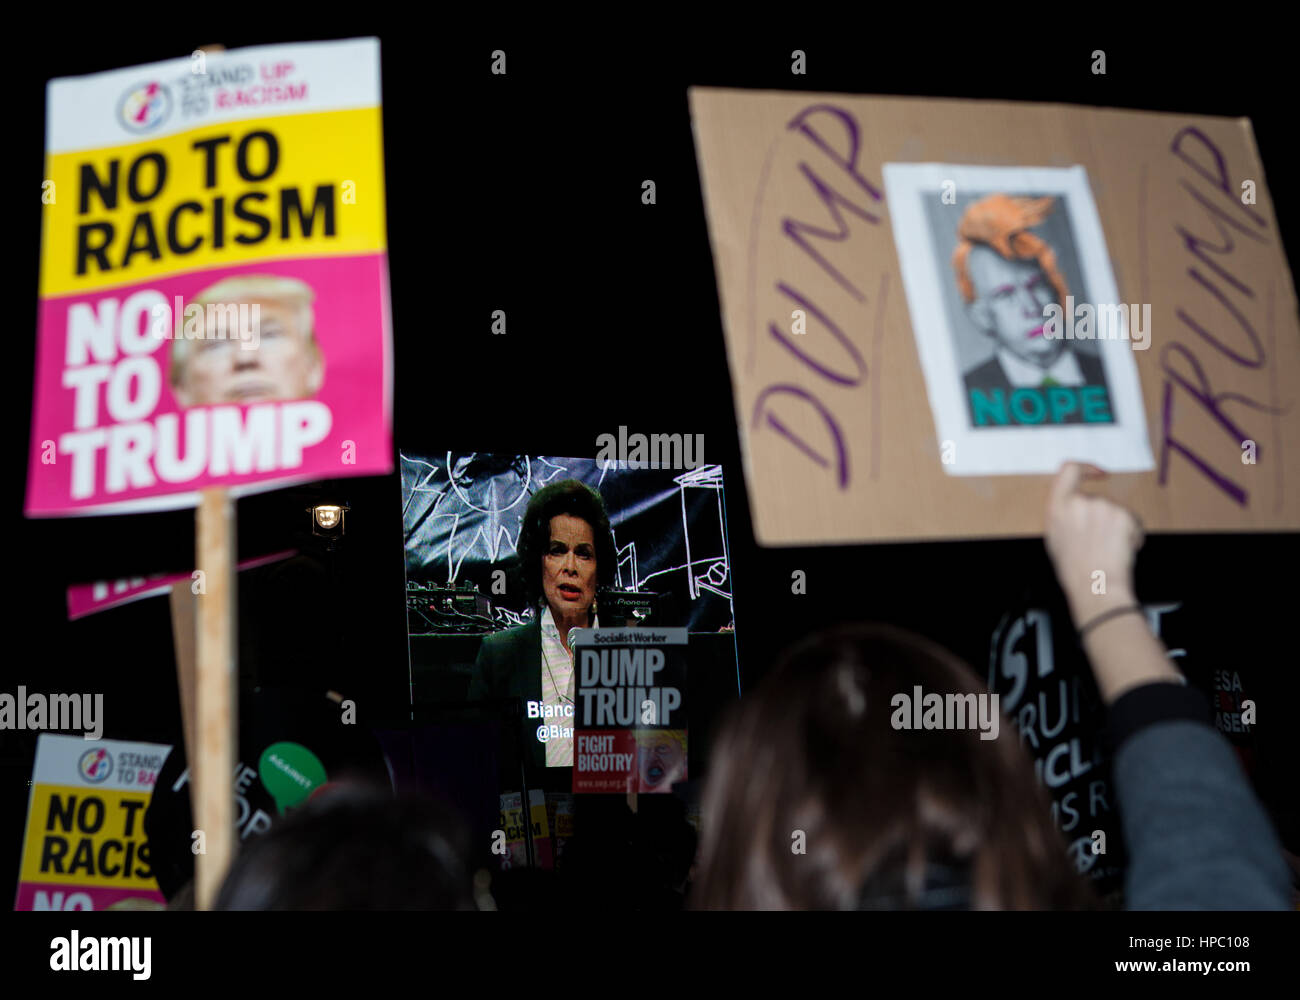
x: 145, y: 107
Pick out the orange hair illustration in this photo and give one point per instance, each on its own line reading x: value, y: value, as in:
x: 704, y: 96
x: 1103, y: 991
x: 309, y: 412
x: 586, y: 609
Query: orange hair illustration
x: 651, y: 737
x: 999, y: 221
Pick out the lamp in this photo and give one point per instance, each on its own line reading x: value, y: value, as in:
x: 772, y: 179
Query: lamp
x: 328, y: 520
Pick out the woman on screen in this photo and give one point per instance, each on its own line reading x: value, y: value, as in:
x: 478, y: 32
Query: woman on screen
x: 566, y: 551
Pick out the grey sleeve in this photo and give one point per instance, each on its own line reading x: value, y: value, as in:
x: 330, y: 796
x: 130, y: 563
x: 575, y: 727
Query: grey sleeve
x: 1197, y: 838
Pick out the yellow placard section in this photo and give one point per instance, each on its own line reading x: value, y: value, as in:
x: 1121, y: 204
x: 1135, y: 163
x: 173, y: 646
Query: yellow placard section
x: 540, y: 824
x: 87, y: 836
x: 180, y: 203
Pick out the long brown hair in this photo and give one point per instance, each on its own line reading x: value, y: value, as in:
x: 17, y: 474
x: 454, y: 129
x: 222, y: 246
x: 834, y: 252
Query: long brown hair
x: 811, y: 761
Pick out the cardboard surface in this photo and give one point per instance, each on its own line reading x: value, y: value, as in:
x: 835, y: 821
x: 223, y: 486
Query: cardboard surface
x: 837, y: 425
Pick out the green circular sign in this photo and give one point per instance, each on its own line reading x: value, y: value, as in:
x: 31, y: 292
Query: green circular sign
x: 290, y: 773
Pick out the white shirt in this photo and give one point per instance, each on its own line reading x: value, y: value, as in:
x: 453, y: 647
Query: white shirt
x: 1021, y: 374
x: 559, y: 689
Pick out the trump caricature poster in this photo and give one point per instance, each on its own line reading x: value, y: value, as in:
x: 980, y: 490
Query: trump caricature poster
x: 1026, y: 348
x: 213, y: 291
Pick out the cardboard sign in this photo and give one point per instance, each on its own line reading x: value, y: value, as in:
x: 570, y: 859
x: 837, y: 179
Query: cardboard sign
x: 85, y: 847
x: 214, y: 281
x: 880, y: 262
x: 630, y: 724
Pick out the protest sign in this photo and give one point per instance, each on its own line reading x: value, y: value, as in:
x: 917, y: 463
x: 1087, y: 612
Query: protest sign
x: 291, y: 746
x: 512, y: 826
x: 878, y: 261
x: 213, y: 292
x: 89, y: 598
x: 214, y: 316
x: 630, y: 723
x: 559, y: 813
x: 85, y: 847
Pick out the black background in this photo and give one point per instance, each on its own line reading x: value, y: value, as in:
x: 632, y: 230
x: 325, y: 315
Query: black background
x: 522, y: 193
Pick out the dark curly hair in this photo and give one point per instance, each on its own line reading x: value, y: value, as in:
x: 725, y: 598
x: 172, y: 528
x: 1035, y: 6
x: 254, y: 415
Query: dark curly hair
x: 565, y: 497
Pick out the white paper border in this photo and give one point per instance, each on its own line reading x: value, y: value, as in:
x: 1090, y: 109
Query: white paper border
x: 1119, y: 447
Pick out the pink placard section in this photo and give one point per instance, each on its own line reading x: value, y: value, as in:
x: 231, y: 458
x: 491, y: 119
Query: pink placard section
x: 49, y: 896
x: 87, y: 598
x: 110, y: 433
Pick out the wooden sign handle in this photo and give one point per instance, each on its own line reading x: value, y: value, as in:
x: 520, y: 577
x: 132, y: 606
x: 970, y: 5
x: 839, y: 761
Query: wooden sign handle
x: 182, y: 605
x: 215, y: 688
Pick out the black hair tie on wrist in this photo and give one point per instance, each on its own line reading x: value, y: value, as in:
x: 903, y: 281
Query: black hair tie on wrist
x: 1106, y: 616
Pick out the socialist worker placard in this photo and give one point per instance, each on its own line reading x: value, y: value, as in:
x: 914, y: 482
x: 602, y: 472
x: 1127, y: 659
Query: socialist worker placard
x: 630, y: 726
x: 214, y: 281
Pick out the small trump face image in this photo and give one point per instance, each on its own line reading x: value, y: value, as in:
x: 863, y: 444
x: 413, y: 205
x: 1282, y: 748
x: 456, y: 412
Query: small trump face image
x: 661, y: 758
x: 1008, y: 277
x: 215, y: 362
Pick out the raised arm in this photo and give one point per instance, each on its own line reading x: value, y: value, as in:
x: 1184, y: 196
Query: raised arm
x: 1196, y: 835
